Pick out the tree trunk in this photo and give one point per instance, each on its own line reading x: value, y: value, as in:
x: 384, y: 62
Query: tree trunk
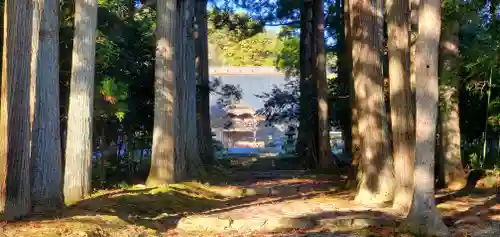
x: 449, y: 113
x: 78, y: 163
x: 186, y: 148
x: 424, y: 218
x: 352, y: 131
x: 319, y: 61
x: 402, y: 105
x: 376, y: 168
x: 46, y: 161
x: 306, y: 141
x: 345, y: 73
x: 15, y: 110
x: 202, y: 77
x: 163, y: 161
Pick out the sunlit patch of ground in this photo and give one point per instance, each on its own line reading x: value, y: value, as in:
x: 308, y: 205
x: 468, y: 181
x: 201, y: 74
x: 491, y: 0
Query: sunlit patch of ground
x: 140, y: 212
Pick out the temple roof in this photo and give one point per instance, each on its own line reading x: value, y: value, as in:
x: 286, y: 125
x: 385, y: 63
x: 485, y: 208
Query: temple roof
x: 240, y: 109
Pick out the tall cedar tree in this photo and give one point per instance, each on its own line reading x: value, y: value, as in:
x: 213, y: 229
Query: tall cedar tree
x: 449, y: 154
x: 202, y: 78
x: 376, y: 184
x: 78, y: 155
x: 424, y: 217
x: 186, y: 143
x: 163, y: 161
x: 15, y: 110
x: 401, y: 99
x: 307, y: 135
x: 319, y: 62
x: 46, y: 161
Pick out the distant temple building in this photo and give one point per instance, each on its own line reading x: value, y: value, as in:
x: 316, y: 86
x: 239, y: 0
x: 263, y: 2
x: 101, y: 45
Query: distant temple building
x: 238, y: 125
x: 240, y: 128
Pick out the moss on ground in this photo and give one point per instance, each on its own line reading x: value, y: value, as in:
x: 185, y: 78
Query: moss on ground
x: 134, y: 211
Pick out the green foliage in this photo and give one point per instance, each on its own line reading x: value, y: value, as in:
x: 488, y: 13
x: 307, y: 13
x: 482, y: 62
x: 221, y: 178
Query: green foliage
x: 235, y: 39
x: 288, y: 57
x: 258, y: 50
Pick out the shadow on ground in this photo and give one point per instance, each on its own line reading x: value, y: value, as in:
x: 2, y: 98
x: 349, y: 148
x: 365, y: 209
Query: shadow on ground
x: 137, y: 211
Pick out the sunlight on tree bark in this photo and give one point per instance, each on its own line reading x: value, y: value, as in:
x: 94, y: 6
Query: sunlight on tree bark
x: 424, y: 217
x: 78, y: 154
x: 162, y: 169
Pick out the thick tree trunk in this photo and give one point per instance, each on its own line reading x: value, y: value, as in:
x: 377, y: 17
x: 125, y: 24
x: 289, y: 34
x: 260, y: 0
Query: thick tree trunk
x: 186, y: 147
x: 78, y: 157
x: 202, y: 77
x: 163, y: 161
x: 451, y: 160
x: 376, y: 167
x: 307, y: 134
x: 401, y: 99
x: 15, y: 110
x: 424, y: 218
x: 319, y: 62
x: 46, y: 161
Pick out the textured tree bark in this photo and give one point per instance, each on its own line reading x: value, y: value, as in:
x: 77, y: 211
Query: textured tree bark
x: 202, y: 77
x: 376, y: 184
x: 163, y: 161
x: 307, y: 135
x: 413, y: 38
x: 424, y: 218
x: 78, y: 155
x: 355, y: 141
x: 46, y: 161
x: 34, y: 58
x: 401, y: 99
x: 351, y: 138
x: 451, y: 160
x: 186, y: 147
x: 319, y: 62
x: 15, y: 110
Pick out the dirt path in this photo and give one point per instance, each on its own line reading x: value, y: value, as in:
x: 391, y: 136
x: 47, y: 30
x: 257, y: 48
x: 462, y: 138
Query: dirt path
x: 311, y: 206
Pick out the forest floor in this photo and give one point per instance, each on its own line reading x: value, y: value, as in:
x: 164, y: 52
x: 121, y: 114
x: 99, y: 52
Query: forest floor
x: 273, y: 203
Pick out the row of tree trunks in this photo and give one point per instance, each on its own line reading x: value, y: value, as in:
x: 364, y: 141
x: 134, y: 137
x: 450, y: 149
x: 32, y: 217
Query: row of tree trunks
x: 376, y: 178
x: 414, y: 96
